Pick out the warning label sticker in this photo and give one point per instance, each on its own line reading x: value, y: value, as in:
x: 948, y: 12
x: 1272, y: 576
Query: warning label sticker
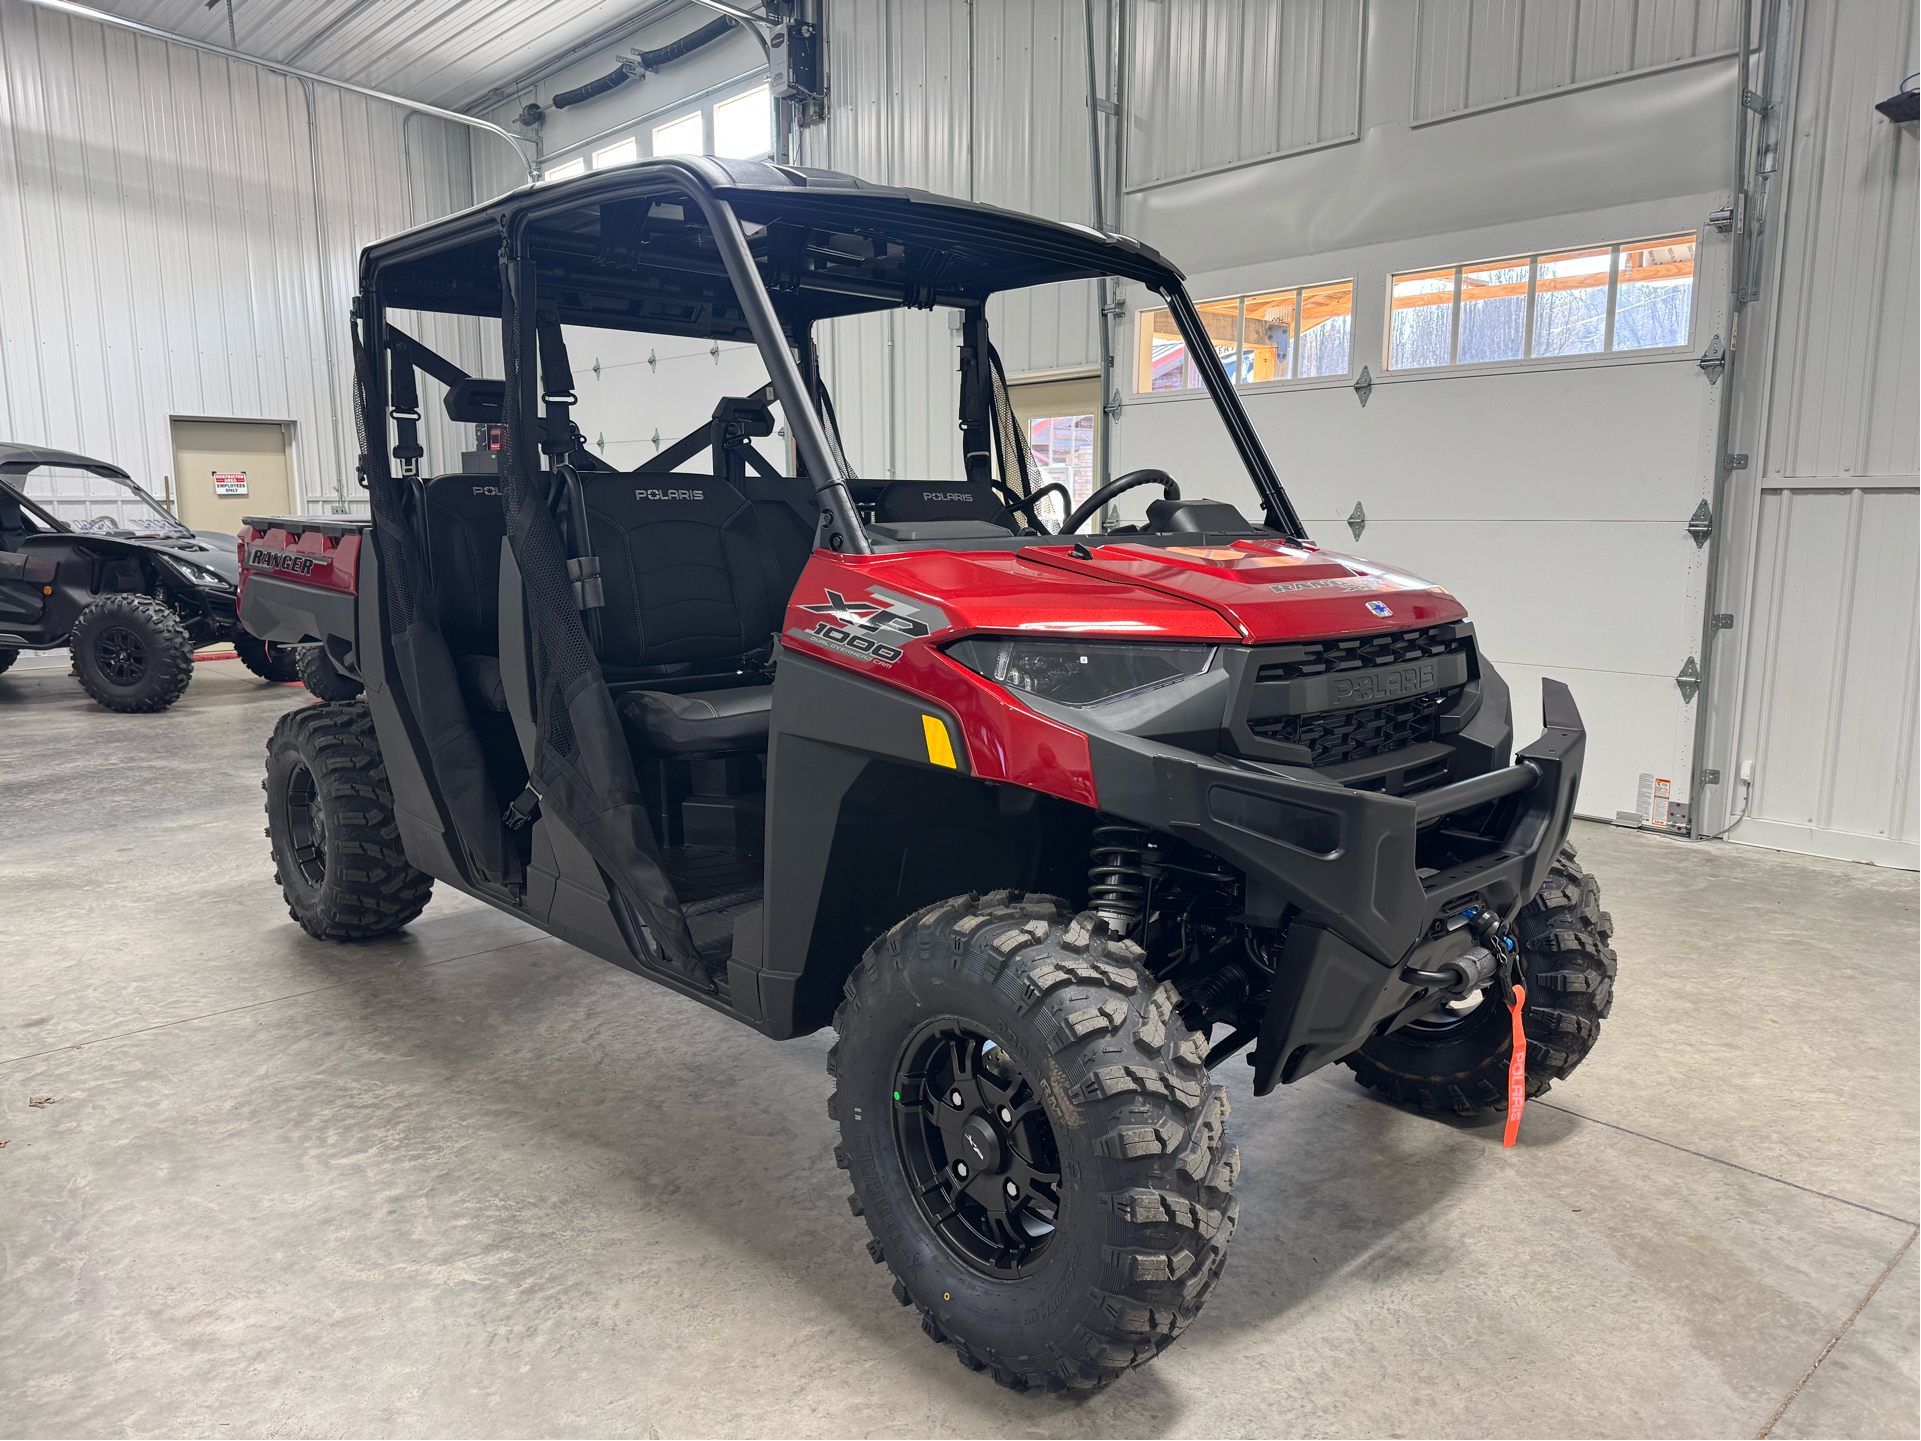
x: 1652, y: 799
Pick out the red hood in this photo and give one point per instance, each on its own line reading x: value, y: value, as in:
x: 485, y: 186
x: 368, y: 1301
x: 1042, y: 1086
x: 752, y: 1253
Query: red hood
x: 1252, y: 591
x: 1267, y: 590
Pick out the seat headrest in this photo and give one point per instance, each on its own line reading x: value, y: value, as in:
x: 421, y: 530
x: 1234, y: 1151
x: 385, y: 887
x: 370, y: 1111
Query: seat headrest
x: 638, y: 497
x: 908, y: 500
x: 461, y: 492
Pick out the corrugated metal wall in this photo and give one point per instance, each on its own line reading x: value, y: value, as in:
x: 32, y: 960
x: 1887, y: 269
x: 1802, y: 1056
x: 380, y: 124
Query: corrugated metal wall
x: 178, y: 237
x: 1250, y: 79
x: 1818, y: 677
x: 1473, y: 53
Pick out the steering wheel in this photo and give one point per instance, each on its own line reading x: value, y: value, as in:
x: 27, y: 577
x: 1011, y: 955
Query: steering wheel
x: 1169, y: 488
x: 1018, y: 503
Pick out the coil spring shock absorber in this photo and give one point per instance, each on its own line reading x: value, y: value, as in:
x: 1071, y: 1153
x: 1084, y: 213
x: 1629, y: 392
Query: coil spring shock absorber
x: 1117, y: 881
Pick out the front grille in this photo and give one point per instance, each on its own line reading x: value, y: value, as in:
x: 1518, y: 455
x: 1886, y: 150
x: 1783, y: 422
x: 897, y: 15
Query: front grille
x: 1332, y: 737
x: 1322, y: 657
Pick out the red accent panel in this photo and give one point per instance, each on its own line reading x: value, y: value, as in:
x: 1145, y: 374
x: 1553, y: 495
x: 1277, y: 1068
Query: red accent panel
x: 1004, y: 740
x: 310, y: 557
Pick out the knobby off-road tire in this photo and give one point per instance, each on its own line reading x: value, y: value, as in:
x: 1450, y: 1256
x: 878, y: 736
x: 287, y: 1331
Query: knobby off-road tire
x: 1144, y: 1209
x: 330, y: 818
x: 318, y: 675
x: 1569, y: 973
x: 268, y: 659
x: 131, y: 653
x: 8, y: 655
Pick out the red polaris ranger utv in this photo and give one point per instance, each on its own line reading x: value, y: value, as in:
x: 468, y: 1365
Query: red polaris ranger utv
x: 1045, y: 825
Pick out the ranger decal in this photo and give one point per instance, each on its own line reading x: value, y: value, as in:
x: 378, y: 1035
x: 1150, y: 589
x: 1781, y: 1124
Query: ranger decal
x: 262, y: 557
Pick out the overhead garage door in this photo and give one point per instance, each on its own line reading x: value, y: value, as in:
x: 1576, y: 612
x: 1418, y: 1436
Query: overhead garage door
x: 1551, y: 493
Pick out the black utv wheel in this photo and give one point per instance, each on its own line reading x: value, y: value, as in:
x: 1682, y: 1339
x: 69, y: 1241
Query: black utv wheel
x: 319, y: 675
x: 1459, y: 1063
x: 131, y: 653
x: 1033, y: 1140
x: 330, y: 817
x: 268, y: 659
x: 8, y: 655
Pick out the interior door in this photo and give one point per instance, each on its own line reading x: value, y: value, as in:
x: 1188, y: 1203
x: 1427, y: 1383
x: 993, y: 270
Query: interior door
x: 226, y: 469
x: 1059, y: 418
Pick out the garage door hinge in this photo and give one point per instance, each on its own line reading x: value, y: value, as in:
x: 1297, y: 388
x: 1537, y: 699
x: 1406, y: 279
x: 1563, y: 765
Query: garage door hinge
x: 1735, y: 462
x: 1723, y: 620
x: 1722, y: 219
x: 1689, y: 680
x: 1713, y: 360
x: 1364, y: 387
x: 1710, y: 778
x: 1357, y: 521
x: 1701, y: 524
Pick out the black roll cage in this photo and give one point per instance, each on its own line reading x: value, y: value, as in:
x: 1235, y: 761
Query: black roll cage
x: 400, y: 274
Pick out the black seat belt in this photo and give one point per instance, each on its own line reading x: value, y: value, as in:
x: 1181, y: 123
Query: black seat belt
x: 557, y: 398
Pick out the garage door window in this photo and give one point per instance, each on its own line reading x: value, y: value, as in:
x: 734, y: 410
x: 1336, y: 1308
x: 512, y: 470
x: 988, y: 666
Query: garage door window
x: 1296, y: 334
x: 1638, y: 295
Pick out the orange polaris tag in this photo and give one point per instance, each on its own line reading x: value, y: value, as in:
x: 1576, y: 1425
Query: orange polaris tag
x: 1516, y: 1070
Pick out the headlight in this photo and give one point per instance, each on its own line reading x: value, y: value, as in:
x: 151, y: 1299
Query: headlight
x: 1078, y: 672
x: 197, y: 574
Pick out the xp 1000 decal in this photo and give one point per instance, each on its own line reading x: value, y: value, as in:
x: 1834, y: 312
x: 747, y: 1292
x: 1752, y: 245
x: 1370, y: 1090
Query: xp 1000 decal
x: 870, y: 627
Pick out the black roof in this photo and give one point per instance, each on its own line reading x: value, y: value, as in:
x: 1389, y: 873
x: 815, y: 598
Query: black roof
x: 629, y: 248
x: 24, y: 459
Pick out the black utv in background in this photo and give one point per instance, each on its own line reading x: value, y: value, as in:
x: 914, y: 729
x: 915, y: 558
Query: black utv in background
x: 132, y: 598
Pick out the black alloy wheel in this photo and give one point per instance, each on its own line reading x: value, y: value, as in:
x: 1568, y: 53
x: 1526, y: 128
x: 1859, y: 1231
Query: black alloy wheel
x: 122, y: 658
x: 306, y: 827
x: 978, y: 1148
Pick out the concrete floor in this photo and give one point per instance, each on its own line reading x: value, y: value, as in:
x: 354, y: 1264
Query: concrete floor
x: 471, y: 1181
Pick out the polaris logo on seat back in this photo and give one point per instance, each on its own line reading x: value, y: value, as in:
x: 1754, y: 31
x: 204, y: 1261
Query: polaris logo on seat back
x: 261, y: 557
x: 1385, y: 684
x: 670, y: 495
x: 964, y: 497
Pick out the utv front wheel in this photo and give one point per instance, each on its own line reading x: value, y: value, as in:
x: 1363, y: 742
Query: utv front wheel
x: 1033, y: 1140
x: 268, y: 659
x: 330, y: 817
x: 8, y: 655
x: 1459, y: 1063
x: 131, y: 653
x: 319, y: 675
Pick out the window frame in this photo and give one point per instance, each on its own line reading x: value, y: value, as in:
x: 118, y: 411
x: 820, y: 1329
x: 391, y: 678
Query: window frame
x: 640, y: 130
x: 1527, y: 359
x: 1291, y: 381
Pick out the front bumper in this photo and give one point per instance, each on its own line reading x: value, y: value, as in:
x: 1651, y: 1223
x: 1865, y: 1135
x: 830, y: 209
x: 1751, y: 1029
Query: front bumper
x: 1339, y: 868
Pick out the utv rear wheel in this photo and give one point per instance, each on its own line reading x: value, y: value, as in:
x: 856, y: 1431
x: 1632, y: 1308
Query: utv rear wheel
x: 131, y: 653
x: 1033, y: 1139
x: 1459, y: 1063
x: 330, y: 817
x: 268, y: 659
x: 320, y: 676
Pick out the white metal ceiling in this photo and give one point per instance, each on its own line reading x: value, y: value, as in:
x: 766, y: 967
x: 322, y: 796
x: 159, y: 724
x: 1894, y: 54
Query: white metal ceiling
x: 452, y: 53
